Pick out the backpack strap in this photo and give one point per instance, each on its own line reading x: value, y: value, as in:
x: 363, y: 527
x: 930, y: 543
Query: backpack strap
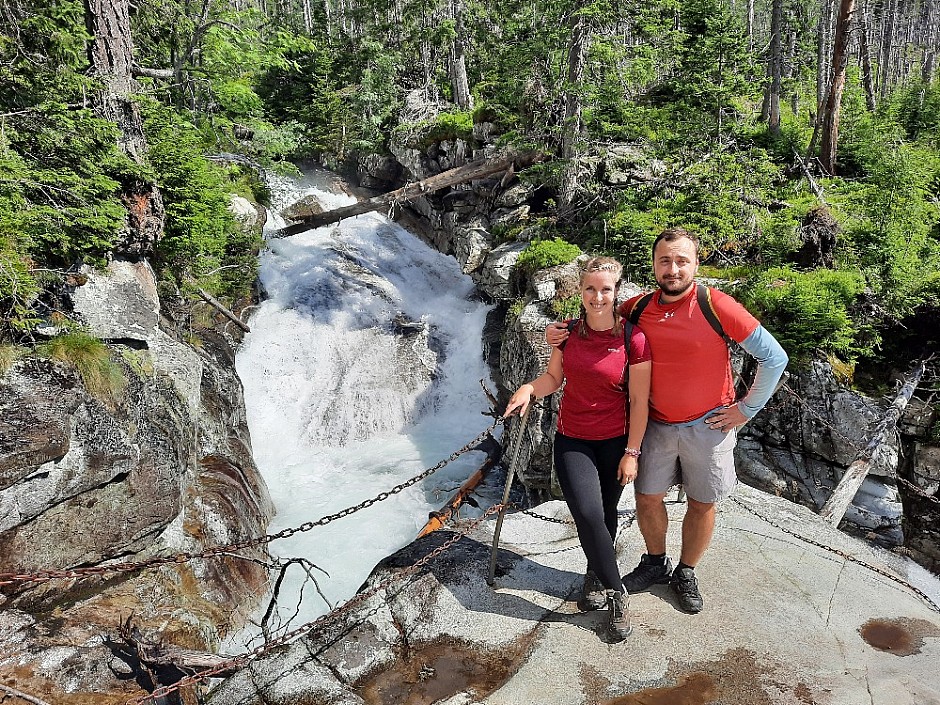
x: 639, y: 305
x: 704, y: 296
x: 572, y: 324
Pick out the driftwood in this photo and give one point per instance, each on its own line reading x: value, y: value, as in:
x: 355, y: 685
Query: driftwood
x: 219, y: 306
x: 837, y: 504
x: 438, y: 519
x: 468, y: 172
x: 167, y: 660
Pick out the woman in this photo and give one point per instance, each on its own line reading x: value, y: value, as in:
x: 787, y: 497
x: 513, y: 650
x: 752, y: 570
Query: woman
x: 600, y: 429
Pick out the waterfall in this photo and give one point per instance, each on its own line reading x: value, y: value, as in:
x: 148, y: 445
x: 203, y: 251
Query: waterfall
x: 362, y: 369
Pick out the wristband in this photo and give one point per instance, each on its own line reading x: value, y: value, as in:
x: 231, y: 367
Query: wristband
x: 635, y: 452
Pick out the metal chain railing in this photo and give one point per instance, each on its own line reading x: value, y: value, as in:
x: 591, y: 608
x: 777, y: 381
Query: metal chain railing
x: 239, y: 662
x: 551, y: 520
x: 842, y: 554
x: 229, y: 549
x: 918, y: 490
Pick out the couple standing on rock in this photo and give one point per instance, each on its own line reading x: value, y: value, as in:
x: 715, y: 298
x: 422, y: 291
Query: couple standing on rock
x: 654, y: 403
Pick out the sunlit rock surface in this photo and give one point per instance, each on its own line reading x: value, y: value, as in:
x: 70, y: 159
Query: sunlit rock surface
x: 157, y: 465
x: 797, y: 613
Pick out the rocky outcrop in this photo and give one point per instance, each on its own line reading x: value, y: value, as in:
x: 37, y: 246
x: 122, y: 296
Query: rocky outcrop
x: 156, y: 461
x: 443, y: 635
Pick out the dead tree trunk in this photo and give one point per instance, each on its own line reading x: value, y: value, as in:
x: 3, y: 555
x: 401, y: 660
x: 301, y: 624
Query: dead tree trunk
x: 458, y: 61
x: 467, y: 172
x: 830, y: 128
x: 837, y: 504
x: 571, y: 128
x: 776, y: 67
x: 824, y: 35
x: 864, y: 48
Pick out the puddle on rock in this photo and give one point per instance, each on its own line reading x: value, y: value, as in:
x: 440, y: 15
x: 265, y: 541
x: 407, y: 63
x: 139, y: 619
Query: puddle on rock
x: 695, y: 689
x: 901, y: 637
x: 435, y: 672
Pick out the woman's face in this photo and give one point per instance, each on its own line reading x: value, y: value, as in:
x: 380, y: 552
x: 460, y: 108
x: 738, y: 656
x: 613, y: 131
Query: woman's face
x: 599, y: 294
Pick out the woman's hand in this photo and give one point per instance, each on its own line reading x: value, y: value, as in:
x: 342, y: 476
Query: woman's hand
x: 520, y: 400
x: 626, y: 471
x: 556, y: 334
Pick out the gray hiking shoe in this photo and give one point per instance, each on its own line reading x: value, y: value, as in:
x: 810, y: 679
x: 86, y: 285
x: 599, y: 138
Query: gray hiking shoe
x: 592, y: 594
x: 647, y: 574
x: 618, y: 619
x: 686, y: 588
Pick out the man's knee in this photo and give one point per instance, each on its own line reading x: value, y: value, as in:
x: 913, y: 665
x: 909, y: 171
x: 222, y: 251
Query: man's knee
x: 649, y: 501
x: 698, y: 508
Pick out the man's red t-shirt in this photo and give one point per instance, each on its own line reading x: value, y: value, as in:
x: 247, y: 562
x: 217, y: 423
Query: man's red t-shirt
x: 691, y: 362
x: 593, y: 405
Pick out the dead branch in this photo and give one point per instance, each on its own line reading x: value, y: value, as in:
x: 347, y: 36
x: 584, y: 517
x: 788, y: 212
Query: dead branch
x: 21, y: 695
x: 837, y: 504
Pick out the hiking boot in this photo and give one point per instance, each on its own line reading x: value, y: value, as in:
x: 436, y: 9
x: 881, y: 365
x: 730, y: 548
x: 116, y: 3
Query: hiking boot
x: 647, y: 574
x: 592, y: 594
x: 618, y: 619
x: 686, y: 588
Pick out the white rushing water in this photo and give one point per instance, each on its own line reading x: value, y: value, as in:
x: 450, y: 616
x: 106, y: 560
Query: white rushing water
x: 336, y: 416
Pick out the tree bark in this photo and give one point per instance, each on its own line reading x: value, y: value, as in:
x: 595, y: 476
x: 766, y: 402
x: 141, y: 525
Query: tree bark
x: 572, y: 128
x: 830, y: 128
x: 887, y: 38
x: 864, y: 49
x: 111, y: 53
x: 823, y: 34
x: 837, y: 504
x: 776, y: 66
x: 458, y: 61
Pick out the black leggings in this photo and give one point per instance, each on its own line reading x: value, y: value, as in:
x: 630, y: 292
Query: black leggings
x: 587, y: 472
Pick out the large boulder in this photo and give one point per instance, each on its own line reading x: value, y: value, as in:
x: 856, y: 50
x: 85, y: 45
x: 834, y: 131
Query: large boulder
x: 155, y: 464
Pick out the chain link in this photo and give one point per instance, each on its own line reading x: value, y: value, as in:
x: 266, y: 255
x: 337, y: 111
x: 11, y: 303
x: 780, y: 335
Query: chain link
x: 551, y: 520
x: 841, y: 554
x: 918, y: 490
x: 239, y: 662
x: 215, y: 551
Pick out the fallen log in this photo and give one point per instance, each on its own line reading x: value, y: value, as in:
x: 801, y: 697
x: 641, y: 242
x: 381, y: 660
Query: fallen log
x: 840, y: 499
x: 461, y: 174
x: 438, y: 519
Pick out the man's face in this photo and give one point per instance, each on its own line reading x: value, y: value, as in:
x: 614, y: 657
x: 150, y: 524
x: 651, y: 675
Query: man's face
x: 675, y: 264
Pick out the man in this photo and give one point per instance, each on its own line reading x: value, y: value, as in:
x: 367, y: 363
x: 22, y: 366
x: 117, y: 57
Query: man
x: 693, y: 413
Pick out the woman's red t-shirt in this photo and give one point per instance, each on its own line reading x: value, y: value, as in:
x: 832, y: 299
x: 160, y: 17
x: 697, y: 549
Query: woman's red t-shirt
x: 594, y: 402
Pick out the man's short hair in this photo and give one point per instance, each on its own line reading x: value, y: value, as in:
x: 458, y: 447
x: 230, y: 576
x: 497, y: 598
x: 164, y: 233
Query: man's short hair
x: 673, y: 234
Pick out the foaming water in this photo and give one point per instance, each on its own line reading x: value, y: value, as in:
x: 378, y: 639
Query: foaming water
x: 362, y: 369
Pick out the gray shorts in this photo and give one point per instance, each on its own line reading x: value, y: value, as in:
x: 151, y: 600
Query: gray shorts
x: 698, y: 457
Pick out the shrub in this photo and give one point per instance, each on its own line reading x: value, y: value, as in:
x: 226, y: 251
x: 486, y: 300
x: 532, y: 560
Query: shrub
x: 807, y: 311
x: 568, y: 307
x: 103, y: 379
x: 546, y: 253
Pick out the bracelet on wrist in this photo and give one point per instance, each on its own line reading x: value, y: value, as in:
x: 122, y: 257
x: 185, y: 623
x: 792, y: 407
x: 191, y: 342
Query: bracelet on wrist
x: 635, y: 452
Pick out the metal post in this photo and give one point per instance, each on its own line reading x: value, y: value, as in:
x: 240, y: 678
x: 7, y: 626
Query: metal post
x: 510, y: 472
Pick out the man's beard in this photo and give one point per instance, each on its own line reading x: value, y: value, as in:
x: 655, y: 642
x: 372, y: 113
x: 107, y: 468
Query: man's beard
x: 673, y: 288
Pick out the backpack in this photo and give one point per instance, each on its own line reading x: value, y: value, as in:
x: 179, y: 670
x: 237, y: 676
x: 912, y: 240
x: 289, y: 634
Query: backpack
x: 704, y: 296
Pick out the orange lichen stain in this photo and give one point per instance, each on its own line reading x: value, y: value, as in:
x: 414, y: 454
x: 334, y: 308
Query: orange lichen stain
x: 694, y: 689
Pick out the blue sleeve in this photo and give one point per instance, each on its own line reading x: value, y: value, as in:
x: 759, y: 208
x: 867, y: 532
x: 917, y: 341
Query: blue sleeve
x: 771, y: 361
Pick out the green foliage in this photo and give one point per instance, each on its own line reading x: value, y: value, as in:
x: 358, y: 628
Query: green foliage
x: 9, y: 354
x: 546, y: 253
x: 568, y: 307
x: 198, y: 222
x: 102, y: 377
x: 808, y: 311
x: 18, y: 290
x: 61, y: 177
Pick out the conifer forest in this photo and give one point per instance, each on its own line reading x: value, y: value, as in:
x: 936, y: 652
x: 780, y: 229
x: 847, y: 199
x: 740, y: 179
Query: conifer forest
x: 799, y: 138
